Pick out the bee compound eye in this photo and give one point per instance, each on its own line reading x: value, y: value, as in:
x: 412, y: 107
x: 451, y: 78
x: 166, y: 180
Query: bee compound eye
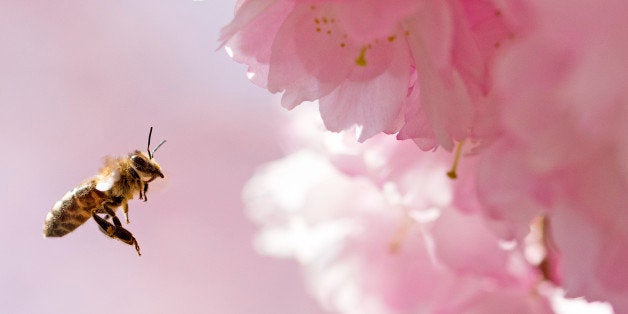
x: 139, y: 161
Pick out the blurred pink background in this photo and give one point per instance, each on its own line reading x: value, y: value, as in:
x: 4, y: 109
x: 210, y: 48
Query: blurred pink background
x: 79, y: 81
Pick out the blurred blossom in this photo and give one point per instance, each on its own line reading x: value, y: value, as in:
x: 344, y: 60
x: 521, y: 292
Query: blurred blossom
x: 384, y: 236
x: 563, y: 151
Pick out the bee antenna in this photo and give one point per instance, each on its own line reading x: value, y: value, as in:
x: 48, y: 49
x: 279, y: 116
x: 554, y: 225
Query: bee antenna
x: 148, y: 146
x: 151, y: 154
x: 154, y: 150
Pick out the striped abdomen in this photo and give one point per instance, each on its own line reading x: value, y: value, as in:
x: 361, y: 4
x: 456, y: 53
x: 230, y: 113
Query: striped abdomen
x: 72, y: 210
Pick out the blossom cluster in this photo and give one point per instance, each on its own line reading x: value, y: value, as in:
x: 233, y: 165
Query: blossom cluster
x: 415, y: 68
x: 377, y: 230
x: 527, y: 99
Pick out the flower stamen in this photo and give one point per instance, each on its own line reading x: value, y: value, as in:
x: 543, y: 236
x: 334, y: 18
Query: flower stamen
x: 452, y: 173
x: 361, y: 61
x: 400, y: 235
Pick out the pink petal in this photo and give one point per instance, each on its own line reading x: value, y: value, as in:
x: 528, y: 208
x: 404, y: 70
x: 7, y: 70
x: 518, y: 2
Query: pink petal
x: 465, y: 245
x: 251, y: 33
x: 374, y: 105
x: 368, y: 19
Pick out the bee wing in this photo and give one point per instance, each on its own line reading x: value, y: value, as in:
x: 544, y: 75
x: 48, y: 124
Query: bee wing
x: 105, y: 182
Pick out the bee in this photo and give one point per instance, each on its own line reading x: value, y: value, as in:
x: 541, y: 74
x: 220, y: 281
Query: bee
x: 116, y: 183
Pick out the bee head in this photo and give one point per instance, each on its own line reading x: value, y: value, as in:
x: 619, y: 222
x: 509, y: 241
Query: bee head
x: 144, y: 165
x: 147, y: 168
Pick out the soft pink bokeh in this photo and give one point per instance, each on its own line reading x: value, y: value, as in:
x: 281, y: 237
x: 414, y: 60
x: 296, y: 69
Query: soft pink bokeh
x: 374, y: 228
x: 79, y: 81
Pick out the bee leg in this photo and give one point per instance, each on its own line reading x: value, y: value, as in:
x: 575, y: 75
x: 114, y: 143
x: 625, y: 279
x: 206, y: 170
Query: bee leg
x: 145, y: 190
x: 115, y: 230
x: 125, y: 210
x: 112, y: 214
x: 141, y: 191
x: 105, y: 226
x: 127, y: 237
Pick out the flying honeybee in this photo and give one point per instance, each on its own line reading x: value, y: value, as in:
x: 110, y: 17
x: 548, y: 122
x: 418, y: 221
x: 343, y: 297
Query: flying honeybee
x: 116, y: 184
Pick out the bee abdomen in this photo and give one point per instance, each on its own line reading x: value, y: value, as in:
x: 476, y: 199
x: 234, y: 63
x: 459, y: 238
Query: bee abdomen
x: 70, y: 212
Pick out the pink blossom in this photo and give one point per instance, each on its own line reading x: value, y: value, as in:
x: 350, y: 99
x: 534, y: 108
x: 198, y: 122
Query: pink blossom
x: 453, y: 51
x: 534, y: 89
x: 418, y: 67
x: 349, y: 54
x: 384, y: 237
x: 363, y: 252
x: 563, y: 149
